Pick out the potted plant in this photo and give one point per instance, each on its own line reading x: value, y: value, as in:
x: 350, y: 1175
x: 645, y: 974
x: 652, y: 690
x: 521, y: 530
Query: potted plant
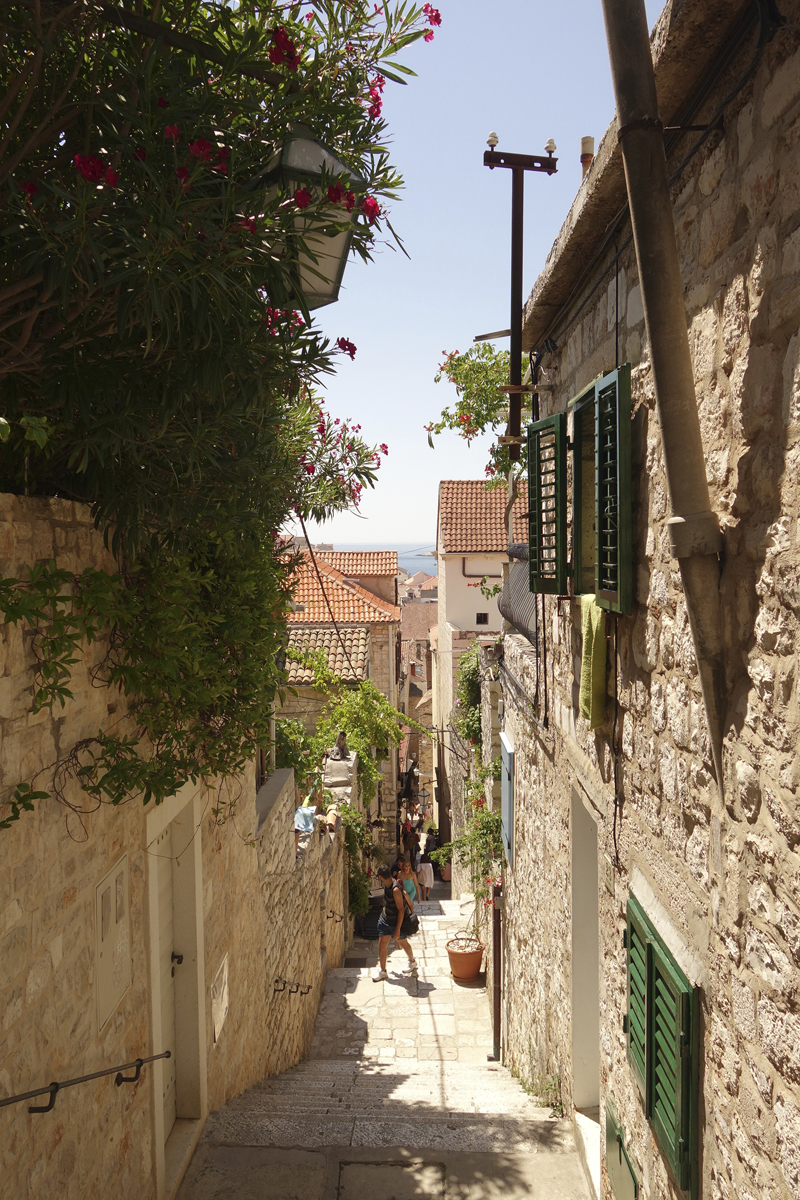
x: 479, y: 847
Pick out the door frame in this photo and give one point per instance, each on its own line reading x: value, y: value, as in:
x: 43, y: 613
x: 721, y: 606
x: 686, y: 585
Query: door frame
x: 184, y: 811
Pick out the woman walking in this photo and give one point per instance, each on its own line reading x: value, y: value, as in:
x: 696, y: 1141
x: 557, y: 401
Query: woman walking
x: 410, y: 881
x: 390, y: 922
x: 425, y: 871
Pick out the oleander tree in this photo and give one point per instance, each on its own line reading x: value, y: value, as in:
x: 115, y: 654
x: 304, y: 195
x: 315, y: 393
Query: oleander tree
x: 158, y: 360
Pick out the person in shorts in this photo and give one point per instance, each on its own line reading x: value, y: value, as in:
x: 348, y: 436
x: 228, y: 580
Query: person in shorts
x: 389, y: 923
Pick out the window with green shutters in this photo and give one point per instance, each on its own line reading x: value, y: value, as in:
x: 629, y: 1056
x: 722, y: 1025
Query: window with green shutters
x: 601, y: 510
x: 547, y: 504
x: 661, y: 1024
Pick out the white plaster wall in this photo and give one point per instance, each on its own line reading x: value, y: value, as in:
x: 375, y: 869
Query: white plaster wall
x: 458, y: 602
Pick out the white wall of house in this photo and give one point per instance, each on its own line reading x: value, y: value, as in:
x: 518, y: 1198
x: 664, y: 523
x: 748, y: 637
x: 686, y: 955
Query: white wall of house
x: 458, y: 602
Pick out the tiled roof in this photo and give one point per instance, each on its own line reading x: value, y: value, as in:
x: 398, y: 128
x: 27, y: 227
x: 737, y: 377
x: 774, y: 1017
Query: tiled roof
x: 471, y: 519
x: 416, y: 619
x: 351, y: 603
x: 361, y: 562
x: 420, y: 578
x: 324, y: 637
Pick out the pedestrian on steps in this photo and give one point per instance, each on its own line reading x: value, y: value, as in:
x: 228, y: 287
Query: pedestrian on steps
x: 390, y: 922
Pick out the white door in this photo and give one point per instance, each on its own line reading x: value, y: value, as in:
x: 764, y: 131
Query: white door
x: 162, y: 849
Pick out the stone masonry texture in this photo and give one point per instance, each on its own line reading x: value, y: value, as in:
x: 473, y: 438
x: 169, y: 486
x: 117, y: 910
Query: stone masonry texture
x: 262, y: 906
x: 727, y: 872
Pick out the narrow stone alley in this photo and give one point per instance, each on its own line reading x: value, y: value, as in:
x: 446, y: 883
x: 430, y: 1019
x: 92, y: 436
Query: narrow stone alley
x: 396, y: 1101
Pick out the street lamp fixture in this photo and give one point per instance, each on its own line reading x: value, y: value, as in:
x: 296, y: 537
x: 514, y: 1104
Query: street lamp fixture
x: 518, y: 164
x: 322, y: 241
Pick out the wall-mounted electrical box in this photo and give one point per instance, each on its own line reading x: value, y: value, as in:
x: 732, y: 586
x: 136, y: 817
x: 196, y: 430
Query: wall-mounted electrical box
x: 112, y: 942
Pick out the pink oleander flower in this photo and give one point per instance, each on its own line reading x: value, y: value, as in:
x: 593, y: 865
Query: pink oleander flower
x: 350, y: 201
x: 371, y: 209
x: 302, y: 197
x: 90, y: 166
x: 111, y: 177
x: 173, y: 132
x: 200, y: 148
x: 183, y: 175
x: 347, y: 347
x: 30, y: 188
x: 140, y: 154
x: 249, y: 223
x: 384, y: 448
x: 428, y: 36
x: 162, y: 103
x: 283, y: 50
x: 336, y: 193
x: 433, y: 14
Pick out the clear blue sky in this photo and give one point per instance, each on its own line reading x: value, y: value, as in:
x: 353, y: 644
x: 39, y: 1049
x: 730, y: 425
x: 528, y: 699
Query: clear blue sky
x: 529, y: 70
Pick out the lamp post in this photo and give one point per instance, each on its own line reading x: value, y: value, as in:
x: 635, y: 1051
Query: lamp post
x: 323, y: 239
x: 518, y: 164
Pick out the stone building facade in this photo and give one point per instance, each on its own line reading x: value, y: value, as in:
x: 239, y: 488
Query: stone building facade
x: 233, y: 901
x: 630, y: 809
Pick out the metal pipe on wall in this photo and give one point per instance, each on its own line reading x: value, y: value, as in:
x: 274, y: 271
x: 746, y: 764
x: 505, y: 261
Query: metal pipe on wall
x: 693, y: 528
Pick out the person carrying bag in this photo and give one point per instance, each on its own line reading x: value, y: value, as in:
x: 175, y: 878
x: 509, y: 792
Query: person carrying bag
x: 395, y: 922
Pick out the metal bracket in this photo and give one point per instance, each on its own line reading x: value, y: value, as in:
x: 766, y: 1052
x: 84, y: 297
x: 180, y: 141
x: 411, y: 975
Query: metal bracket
x: 40, y: 1108
x: 120, y: 1078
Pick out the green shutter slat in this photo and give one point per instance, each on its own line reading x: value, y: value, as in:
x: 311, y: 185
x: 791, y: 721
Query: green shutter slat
x: 547, y: 504
x: 637, y: 997
x: 671, y: 1071
x: 614, y: 568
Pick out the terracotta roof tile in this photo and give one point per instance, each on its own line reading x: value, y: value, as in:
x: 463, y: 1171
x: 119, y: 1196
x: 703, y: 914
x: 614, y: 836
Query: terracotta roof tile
x: 351, y: 603
x: 324, y: 637
x: 361, y: 562
x: 471, y: 519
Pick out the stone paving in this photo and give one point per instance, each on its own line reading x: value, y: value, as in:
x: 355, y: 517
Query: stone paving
x: 396, y: 1101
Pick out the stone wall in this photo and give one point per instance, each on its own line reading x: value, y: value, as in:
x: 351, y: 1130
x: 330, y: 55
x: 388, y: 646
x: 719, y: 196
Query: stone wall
x: 726, y: 873
x: 262, y: 908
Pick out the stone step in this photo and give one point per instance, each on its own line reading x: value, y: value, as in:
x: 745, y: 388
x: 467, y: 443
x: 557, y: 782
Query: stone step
x: 452, y: 1131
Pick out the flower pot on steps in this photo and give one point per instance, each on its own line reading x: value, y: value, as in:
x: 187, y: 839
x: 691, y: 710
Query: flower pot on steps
x: 465, y: 953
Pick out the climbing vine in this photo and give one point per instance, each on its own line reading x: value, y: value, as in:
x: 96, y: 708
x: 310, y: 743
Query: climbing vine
x: 480, y: 846
x: 467, y: 707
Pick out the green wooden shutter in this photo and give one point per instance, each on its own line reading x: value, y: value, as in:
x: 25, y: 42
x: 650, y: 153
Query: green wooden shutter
x: 614, y: 569
x: 547, y: 504
x: 670, y: 1074
x: 637, y: 943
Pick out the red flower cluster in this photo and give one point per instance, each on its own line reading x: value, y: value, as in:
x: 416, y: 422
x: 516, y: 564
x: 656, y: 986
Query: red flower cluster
x: 162, y: 103
x: 93, y: 169
x: 376, y: 87
x: 173, y: 132
x: 275, y: 317
x: 183, y: 175
x: 30, y: 188
x: 337, y: 195
x: 433, y: 14
x: 249, y: 223
x: 384, y: 448
x: 346, y: 346
x: 302, y: 197
x: 283, y: 50
x: 141, y: 154
x: 201, y: 148
x: 371, y: 209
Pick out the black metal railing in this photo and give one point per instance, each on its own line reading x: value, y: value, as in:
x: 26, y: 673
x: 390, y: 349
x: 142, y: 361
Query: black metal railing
x: 54, y: 1088
x: 517, y: 602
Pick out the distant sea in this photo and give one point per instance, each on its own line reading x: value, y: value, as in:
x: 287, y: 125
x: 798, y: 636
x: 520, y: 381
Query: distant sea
x: 410, y: 555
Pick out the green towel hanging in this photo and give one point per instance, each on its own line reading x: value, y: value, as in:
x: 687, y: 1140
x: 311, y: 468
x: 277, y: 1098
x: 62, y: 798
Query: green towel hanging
x: 592, y: 696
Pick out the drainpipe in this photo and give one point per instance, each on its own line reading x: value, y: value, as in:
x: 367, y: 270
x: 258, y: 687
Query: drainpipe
x: 694, y: 532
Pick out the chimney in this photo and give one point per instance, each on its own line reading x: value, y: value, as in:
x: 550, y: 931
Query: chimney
x: 587, y: 154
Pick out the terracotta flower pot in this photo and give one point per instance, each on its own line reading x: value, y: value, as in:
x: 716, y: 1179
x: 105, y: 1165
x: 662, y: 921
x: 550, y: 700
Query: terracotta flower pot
x: 465, y: 956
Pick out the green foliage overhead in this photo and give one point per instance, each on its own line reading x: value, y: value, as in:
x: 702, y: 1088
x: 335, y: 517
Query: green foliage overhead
x: 155, y: 349
x: 479, y: 407
x: 157, y: 356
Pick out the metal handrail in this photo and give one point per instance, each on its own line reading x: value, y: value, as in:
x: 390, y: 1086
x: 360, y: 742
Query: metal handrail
x: 54, y: 1088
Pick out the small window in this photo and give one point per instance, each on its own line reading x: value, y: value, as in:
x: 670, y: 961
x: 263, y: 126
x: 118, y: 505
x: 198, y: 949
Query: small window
x: 482, y: 618
x: 661, y: 1022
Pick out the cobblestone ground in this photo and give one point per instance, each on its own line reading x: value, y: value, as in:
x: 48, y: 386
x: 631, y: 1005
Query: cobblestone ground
x: 396, y: 1101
